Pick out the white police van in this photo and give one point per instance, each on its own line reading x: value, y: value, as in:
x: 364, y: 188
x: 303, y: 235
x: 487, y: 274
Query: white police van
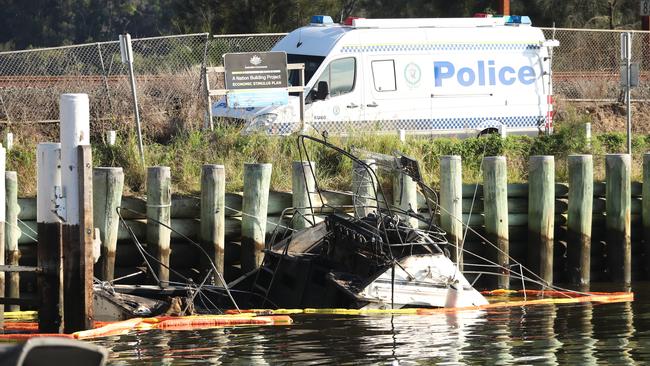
x: 453, y: 76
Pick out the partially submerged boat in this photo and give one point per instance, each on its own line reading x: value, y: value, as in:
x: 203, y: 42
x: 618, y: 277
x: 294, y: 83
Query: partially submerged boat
x: 372, y: 255
x: 368, y: 255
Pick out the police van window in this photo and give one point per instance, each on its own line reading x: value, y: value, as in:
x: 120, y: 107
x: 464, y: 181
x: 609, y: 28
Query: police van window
x: 311, y: 65
x: 383, y: 74
x: 340, y: 76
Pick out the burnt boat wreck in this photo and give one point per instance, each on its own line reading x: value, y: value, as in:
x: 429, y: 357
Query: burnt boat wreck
x: 372, y: 255
x: 368, y: 255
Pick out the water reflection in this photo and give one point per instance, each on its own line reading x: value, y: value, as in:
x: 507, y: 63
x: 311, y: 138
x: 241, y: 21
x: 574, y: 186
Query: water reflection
x: 575, y: 328
x: 570, y: 334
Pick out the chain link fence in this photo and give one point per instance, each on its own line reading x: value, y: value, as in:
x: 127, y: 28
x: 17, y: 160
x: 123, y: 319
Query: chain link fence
x: 586, y: 66
x: 167, y: 72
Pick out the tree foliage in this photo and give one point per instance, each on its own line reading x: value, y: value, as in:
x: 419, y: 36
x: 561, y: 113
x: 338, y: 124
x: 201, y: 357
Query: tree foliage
x: 37, y: 23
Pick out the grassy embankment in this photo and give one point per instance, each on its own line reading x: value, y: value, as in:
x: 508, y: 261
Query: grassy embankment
x: 186, y: 152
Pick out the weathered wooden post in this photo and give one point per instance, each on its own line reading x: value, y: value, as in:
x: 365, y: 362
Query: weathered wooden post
x: 159, y: 202
x: 108, y: 183
x: 257, y: 180
x: 619, y: 202
x: 3, y: 154
x: 541, y: 215
x: 405, y: 196
x: 646, y: 211
x: 364, y: 188
x: 495, y: 197
x: 581, y: 199
x: 49, y: 248
x: 77, y: 232
x: 303, y: 186
x: 11, y: 237
x: 451, y: 203
x: 213, y: 209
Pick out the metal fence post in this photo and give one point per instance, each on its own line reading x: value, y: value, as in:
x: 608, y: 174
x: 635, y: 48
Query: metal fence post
x: 127, y: 58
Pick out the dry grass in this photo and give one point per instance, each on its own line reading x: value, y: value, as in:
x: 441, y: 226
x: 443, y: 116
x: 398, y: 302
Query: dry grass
x: 185, y: 149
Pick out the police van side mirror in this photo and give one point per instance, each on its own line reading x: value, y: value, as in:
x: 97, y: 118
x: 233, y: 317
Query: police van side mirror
x: 323, y: 91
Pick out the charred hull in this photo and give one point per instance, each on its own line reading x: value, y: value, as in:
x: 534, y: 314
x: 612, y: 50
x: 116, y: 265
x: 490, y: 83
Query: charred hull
x: 375, y: 262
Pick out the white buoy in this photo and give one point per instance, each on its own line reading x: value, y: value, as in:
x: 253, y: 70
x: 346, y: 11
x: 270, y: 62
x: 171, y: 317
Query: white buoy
x: 48, y: 181
x: 75, y: 131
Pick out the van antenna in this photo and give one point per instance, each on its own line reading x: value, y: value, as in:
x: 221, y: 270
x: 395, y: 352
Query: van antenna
x: 299, y: 38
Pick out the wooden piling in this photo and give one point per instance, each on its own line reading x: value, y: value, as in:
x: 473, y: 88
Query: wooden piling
x: 364, y: 188
x: 3, y: 212
x: 646, y: 212
x: 108, y: 183
x: 303, y: 186
x: 451, y: 204
x: 77, y: 232
x: 213, y: 209
x: 405, y: 196
x: 495, y: 191
x: 257, y: 179
x: 541, y: 215
x: 159, y: 196
x: 49, y: 248
x: 618, y: 188
x: 581, y: 198
x: 11, y: 237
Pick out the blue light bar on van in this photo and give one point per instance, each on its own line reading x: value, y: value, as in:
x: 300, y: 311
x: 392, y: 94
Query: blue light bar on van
x: 321, y: 19
x: 517, y: 19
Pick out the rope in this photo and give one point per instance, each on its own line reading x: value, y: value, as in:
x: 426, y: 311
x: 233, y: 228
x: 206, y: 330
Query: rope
x: 21, y: 231
x: 214, y: 267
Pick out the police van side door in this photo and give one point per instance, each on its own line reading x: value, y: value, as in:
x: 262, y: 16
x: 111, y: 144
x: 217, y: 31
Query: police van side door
x: 336, y: 99
x: 397, y: 95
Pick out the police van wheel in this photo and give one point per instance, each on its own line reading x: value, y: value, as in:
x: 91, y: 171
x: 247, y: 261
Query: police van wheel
x: 489, y: 131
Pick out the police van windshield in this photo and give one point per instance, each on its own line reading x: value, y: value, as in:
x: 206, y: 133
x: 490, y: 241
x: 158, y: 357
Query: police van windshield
x: 311, y: 65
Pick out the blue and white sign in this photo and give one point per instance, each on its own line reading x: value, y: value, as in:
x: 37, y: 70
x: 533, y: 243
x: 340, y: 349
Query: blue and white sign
x: 256, y: 79
x: 257, y: 98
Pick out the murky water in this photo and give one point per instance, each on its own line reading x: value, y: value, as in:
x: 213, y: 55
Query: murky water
x: 572, y: 334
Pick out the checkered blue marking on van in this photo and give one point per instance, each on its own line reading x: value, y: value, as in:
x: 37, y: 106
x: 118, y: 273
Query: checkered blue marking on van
x: 427, y: 124
x: 441, y: 47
